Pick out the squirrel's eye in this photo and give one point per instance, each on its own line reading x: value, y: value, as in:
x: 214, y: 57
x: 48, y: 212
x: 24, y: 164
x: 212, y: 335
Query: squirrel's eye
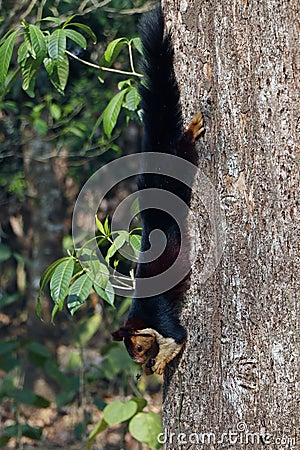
x: 139, y: 348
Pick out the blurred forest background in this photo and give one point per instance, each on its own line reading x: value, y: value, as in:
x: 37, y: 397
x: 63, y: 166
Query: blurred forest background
x: 56, y: 380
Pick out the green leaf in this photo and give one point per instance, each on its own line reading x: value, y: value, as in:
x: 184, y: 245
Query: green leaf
x: 117, y: 412
x: 5, y: 252
x: 51, y: 368
x: 22, y: 53
x: 47, y: 274
x: 38, y: 41
x: 145, y: 427
x: 38, y: 309
x: 9, y: 346
x: 41, y: 402
x: 28, y: 397
x: 41, y: 126
x: 138, y: 44
x: 135, y: 242
x: 100, y: 226
x: 58, y: 72
x: 6, y: 51
x: 96, y: 126
x: 100, y: 272
x: 8, y: 364
x: 141, y: 403
x: 6, y: 35
x: 77, y: 38
x: 51, y: 19
x: 106, y: 226
x: 63, y: 72
x: 112, y: 111
x: 54, y: 311
x: 57, y: 45
x: 86, y: 329
x: 21, y: 258
x: 4, y: 438
x: 132, y: 99
x: 67, y: 22
x: 23, y: 430
x: 27, y: 39
x: 85, y: 28
x: 49, y: 65
x: 39, y: 350
x: 7, y: 387
x: 60, y: 281
x: 79, y: 292
x: 119, y: 241
x: 113, y: 50
x: 55, y: 111
x: 65, y: 398
x: 108, y: 294
x: 74, y: 362
x: 29, y: 73
x: 99, y: 402
x: 101, y: 278
x: 124, y: 83
x: 32, y: 432
x: 101, y: 426
x: 6, y: 300
x: 76, y: 131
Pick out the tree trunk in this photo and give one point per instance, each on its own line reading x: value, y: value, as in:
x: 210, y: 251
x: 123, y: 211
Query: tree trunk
x: 237, y: 382
x: 45, y: 175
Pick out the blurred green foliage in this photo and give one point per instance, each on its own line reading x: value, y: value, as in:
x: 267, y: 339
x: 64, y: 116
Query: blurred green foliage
x: 80, y: 111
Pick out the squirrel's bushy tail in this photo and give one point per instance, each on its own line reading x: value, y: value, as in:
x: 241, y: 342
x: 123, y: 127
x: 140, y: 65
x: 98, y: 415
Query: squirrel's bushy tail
x: 160, y: 95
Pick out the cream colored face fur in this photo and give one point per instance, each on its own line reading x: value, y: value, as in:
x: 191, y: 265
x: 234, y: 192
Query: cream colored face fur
x: 152, y: 350
x: 142, y: 346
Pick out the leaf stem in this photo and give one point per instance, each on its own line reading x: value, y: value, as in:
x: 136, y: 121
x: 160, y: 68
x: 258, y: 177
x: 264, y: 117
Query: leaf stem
x: 131, y: 57
x: 105, y: 69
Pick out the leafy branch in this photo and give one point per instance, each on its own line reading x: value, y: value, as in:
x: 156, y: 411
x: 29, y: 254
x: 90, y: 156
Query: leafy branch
x: 48, y: 49
x: 72, y: 278
x: 143, y: 426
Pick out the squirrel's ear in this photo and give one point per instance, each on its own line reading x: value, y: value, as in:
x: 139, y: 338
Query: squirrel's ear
x: 121, y: 333
x: 117, y: 335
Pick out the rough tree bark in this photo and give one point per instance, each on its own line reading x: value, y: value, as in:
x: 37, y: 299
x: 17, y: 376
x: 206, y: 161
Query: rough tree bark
x: 237, y: 382
x: 45, y: 175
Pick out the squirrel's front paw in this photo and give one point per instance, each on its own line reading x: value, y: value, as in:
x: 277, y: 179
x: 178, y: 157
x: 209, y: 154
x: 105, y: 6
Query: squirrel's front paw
x: 196, y: 126
x: 159, y: 366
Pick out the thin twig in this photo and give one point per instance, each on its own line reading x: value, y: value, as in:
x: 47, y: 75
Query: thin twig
x: 146, y: 7
x: 131, y: 58
x: 96, y: 6
x: 82, y: 6
x: 29, y: 9
x: 40, y: 10
x: 107, y: 69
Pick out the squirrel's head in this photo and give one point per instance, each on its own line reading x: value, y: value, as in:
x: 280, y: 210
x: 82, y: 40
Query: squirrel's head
x: 142, y: 347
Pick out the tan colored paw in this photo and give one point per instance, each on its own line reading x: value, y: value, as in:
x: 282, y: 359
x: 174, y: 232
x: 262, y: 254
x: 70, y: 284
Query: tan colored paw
x: 159, y: 367
x: 196, y: 126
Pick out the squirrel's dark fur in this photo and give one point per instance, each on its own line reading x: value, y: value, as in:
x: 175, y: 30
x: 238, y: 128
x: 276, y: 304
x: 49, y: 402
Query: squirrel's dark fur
x: 163, y: 133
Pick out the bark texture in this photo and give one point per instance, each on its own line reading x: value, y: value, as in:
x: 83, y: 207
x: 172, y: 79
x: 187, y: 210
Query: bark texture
x: 237, y: 382
x: 45, y: 175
